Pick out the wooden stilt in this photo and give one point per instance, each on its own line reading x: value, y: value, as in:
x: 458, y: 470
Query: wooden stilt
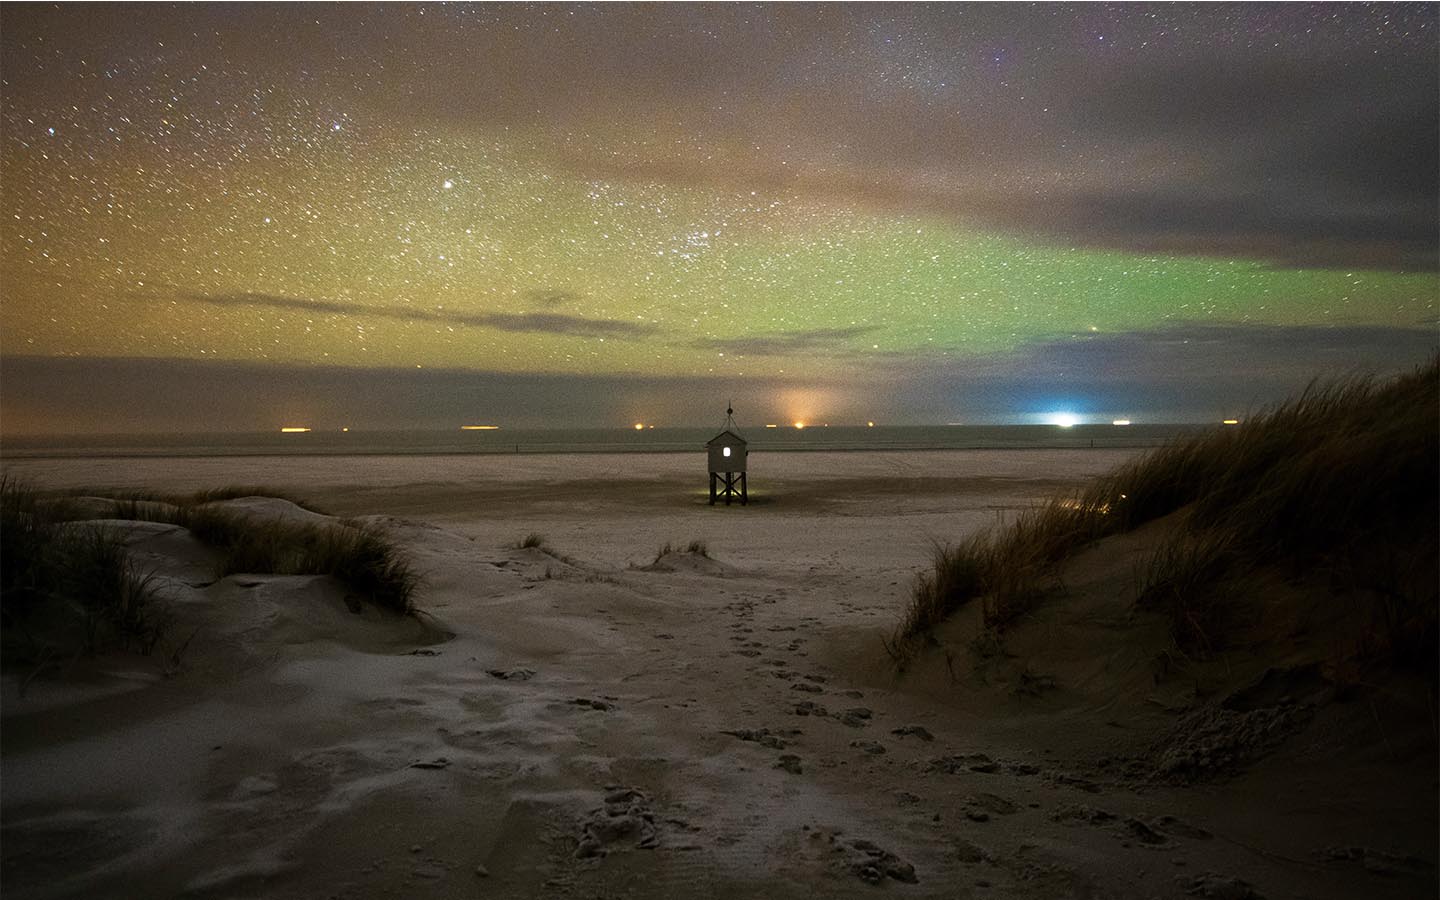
x: 744, y: 492
x: 712, y: 488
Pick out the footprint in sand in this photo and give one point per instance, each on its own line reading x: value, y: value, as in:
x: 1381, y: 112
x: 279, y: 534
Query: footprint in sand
x: 1220, y: 887
x: 764, y: 736
x: 624, y: 820
x: 872, y: 864
x: 516, y: 674
x: 918, y: 731
x: 588, y: 703
x: 979, y: 807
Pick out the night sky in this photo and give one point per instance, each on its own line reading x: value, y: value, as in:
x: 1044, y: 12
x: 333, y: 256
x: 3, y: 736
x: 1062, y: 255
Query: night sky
x: 241, y: 216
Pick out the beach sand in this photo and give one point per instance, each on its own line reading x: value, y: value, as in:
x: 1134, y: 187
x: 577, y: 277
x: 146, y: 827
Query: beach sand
x: 586, y: 720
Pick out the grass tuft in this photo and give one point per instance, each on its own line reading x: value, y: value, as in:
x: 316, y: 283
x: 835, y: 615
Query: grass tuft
x: 533, y: 540
x: 69, y: 589
x: 359, y: 556
x: 235, y: 492
x: 1331, y: 479
x: 146, y: 499
x: 697, y: 547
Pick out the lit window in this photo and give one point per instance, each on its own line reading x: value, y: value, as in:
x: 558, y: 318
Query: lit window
x: 726, y: 451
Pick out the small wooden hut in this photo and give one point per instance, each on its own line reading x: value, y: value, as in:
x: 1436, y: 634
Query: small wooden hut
x: 727, y: 453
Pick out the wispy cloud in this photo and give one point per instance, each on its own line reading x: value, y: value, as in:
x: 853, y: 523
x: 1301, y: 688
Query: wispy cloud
x: 784, y: 343
x: 558, y: 323
x: 530, y: 323
x: 549, y: 298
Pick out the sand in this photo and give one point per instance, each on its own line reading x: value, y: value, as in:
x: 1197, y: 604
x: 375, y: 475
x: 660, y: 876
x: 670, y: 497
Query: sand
x: 587, y: 720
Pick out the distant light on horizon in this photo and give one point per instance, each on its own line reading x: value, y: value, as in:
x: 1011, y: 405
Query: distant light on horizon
x: 799, y: 424
x: 1064, y: 419
x: 479, y: 427
x: 1121, y: 422
x: 1230, y: 422
x: 772, y: 426
x: 869, y: 424
x: 293, y: 429
x: 639, y: 426
x: 346, y: 428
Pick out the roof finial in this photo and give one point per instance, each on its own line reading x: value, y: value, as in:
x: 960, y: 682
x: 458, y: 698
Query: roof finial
x: 730, y: 417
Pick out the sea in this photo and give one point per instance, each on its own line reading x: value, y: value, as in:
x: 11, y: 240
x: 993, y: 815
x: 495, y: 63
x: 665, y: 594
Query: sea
x: 592, y: 440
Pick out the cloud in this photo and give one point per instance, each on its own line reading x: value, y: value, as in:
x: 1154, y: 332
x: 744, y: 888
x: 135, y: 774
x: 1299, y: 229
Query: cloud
x: 556, y: 323
x: 1173, y: 374
x: 1300, y: 133
x: 529, y: 323
x: 549, y: 298
x: 1320, y: 155
x: 825, y: 340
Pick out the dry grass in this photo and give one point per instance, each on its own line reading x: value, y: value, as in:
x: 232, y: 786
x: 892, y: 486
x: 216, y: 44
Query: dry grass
x: 69, y: 589
x: 128, y: 499
x: 533, y: 540
x: 1325, y: 479
x: 1340, y: 485
x: 359, y: 556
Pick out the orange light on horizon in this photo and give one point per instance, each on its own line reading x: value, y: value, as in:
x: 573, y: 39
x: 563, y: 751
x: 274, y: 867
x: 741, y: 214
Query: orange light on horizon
x: 869, y: 424
x: 479, y: 427
x: 293, y: 429
x: 799, y: 424
x: 346, y: 428
x: 639, y: 426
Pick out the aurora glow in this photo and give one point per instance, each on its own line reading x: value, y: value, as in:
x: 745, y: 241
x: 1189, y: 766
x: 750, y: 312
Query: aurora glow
x: 410, y: 187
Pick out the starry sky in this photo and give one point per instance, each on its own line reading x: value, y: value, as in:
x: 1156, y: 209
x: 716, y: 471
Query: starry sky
x: 228, y: 217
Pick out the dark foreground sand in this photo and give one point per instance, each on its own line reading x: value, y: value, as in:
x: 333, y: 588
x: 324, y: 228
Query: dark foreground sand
x: 587, y: 721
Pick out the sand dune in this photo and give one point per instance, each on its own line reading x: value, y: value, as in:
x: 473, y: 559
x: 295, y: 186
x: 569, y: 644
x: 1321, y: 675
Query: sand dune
x: 580, y: 719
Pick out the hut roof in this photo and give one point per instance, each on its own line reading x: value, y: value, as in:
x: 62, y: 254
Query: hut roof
x: 722, y: 434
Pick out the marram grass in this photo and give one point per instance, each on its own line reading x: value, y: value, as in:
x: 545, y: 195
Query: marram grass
x: 1346, y: 474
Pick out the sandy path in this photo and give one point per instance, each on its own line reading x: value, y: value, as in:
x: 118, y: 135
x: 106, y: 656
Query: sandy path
x: 601, y: 727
